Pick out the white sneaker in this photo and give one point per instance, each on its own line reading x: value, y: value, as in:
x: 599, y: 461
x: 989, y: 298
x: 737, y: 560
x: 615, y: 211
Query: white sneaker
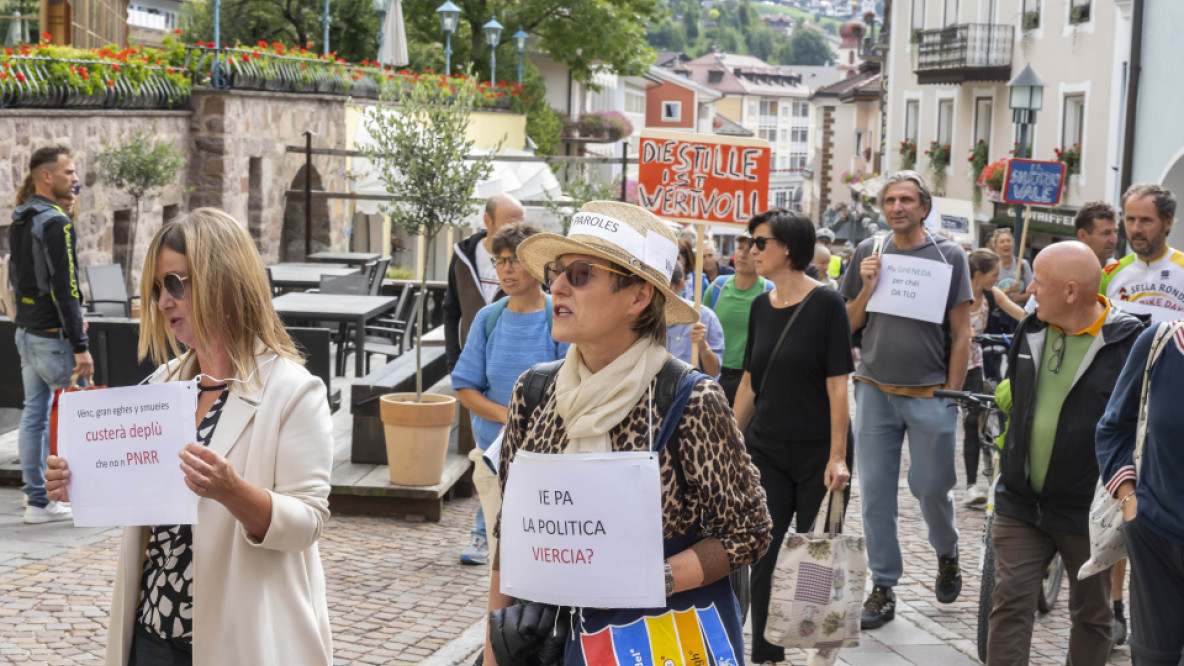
x: 974, y: 496
x: 50, y: 513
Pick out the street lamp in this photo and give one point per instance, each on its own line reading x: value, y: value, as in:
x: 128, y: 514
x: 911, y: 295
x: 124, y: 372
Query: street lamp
x: 325, y: 21
x: 520, y: 38
x: 1025, y: 98
x: 381, y: 7
x: 493, y: 36
x: 449, y: 15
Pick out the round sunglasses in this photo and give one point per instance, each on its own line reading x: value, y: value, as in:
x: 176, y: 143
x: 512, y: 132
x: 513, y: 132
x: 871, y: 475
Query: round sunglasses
x: 173, y: 283
x: 578, y: 273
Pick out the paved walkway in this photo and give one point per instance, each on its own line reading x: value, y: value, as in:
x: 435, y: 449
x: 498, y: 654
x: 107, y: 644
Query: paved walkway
x: 397, y: 596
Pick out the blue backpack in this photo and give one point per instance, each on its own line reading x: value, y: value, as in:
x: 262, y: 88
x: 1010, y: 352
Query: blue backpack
x: 499, y: 306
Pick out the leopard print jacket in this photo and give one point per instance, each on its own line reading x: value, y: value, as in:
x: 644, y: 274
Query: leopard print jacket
x: 724, y: 497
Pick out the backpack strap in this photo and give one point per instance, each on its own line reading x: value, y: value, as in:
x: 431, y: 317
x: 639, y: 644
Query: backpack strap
x: 536, y: 381
x: 499, y: 306
x: 673, y: 386
x: 716, y: 288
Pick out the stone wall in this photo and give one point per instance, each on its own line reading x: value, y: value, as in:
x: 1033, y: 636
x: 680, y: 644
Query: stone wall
x: 237, y: 145
x: 240, y: 162
x: 98, y: 206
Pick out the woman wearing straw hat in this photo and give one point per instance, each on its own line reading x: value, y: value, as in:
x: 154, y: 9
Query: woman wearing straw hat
x: 609, y: 281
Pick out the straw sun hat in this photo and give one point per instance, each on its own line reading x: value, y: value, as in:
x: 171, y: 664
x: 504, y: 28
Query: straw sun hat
x: 624, y: 234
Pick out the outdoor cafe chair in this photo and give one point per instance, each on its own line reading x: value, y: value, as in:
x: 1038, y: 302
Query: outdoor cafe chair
x: 108, y: 292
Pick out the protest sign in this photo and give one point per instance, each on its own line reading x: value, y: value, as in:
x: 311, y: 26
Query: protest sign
x: 1033, y: 182
x: 912, y: 287
x: 703, y: 177
x: 583, y: 530
x: 122, y: 445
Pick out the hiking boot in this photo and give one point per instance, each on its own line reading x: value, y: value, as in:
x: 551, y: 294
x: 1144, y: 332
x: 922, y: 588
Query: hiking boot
x: 949, y: 579
x: 1118, y: 626
x: 476, y: 553
x: 879, y: 608
x: 50, y: 513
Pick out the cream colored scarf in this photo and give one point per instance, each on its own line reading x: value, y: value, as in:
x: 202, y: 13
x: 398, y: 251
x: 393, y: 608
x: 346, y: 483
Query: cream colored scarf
x: 591, y: 404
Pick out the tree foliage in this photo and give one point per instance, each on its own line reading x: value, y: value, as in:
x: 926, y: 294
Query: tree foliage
x: 140, y: 165
x: 810, y: 48
x: 420, y: 144
x: 731, y: 26
x: 581, y: 34
x: 353, y: 28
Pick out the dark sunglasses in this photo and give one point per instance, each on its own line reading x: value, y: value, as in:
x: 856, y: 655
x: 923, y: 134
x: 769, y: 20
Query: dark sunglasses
x: 578, y: 272
x: 174, y: 284
x: 761, y: 241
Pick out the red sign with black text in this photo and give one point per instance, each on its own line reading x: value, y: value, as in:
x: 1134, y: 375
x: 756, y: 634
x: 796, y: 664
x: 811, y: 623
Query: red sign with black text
x: 703, y: 177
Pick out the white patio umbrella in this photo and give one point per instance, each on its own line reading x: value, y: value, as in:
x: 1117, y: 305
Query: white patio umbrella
x: 394, y: 42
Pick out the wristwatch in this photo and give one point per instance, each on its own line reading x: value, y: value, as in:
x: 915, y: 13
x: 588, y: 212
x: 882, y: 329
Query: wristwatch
x: 669, y: 579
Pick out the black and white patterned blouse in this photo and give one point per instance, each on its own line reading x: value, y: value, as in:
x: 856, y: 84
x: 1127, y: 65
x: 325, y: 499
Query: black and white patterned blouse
x: 166, y: 587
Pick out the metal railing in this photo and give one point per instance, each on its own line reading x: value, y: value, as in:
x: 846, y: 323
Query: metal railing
x: 965, y: 46
x: 35, y: 81
x: 258, y: 69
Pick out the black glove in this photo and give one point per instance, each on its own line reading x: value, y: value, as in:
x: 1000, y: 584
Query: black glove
x: 524, y: 634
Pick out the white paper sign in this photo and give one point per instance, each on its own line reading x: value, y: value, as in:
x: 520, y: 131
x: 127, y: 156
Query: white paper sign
x: 912, y: 287
x: 122, y: 445
x: 1161, y: 309
x: 584, y: 530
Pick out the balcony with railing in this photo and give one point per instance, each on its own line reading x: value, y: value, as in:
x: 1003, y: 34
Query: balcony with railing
x: 966, y: 52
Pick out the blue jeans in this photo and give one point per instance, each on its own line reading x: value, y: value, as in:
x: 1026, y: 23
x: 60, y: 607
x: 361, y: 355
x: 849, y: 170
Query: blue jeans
x: 46, y: 364
x: 881, y: 421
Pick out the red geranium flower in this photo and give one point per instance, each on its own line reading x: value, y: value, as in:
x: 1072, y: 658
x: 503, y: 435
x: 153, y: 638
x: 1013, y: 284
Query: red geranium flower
x: 20, y: 77
x: 110, y: 84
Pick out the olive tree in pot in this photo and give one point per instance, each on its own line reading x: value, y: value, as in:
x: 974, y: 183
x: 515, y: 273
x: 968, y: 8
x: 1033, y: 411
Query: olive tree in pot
x: 139, y: 164
x: 419, y: 149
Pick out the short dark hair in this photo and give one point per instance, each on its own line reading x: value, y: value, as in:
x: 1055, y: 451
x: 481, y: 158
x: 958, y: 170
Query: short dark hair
x: 1165, y: 202
x: 793, y: 230
x: 47, y: 155
x: 510, y: 236
x: 1094, y: 210
x: 651, y: 323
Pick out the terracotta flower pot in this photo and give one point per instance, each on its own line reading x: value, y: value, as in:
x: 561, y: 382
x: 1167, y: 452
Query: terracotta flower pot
x: 417, y: 436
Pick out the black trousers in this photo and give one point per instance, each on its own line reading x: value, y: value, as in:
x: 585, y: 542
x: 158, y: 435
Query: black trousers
x: 1157, y: 596
x: 151, y: 650
x: 792, y: 475
x: 729, y: 379
x: 970, y: 444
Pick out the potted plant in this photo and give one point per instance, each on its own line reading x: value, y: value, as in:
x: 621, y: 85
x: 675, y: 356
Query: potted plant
x: 140, y: 165
x: 939, y: 159
x: 908, y: 154
x: 1071, y: 157
x: 978, y: 161
x: 991, y: 177
x: 419, y: 151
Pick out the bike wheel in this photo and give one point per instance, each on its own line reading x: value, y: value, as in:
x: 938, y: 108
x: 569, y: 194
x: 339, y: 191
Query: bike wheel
x: 1052, y: 584
x: 986, y: 589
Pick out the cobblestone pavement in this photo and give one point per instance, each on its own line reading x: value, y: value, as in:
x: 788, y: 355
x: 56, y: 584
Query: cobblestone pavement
x: 397, y: 595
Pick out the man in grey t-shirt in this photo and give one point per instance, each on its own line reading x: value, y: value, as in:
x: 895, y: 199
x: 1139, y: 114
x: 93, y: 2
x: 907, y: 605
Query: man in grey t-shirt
x: 903, y: 361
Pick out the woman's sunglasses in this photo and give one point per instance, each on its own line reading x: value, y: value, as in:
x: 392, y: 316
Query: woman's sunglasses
x: 761, y: 241
x: 578, y: 272
x: 174, y: 284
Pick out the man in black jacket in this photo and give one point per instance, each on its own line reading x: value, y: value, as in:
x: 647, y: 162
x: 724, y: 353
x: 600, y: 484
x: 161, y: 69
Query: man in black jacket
x: 1063, y: 365
x: 50, y: 335
x: 473, y: 284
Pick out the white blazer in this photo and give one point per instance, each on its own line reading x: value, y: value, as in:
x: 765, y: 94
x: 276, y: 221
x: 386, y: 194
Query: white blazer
x: 254, y: 602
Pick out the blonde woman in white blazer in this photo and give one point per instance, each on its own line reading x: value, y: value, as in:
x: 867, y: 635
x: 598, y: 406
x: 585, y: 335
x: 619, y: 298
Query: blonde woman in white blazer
x: 245, y: 584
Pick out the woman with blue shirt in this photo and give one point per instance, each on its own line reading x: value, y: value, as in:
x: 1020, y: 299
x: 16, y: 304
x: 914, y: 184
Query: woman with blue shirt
x: 505, y: 339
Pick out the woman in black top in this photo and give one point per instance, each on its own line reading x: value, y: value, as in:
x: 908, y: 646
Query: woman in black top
x: 792, y: 400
